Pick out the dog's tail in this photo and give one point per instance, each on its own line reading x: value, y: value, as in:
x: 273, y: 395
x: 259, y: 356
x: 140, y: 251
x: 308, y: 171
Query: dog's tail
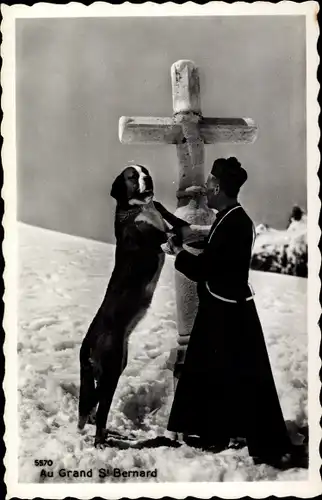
x: 87, y: 393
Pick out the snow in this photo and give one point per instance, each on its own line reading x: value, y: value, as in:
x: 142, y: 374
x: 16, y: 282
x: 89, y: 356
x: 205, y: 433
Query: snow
x: 62, y: 282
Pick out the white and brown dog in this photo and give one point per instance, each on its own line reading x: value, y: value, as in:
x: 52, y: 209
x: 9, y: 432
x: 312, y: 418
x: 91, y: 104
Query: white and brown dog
x: 140, y: 230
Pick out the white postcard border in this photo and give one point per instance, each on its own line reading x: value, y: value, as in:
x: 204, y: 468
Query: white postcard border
x: 304, y: 489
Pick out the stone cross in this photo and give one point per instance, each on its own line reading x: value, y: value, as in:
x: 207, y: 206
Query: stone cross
x: 189, y: 131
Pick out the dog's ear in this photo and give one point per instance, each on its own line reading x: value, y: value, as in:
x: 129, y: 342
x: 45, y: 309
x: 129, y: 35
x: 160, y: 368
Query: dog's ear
x: 118, y: 190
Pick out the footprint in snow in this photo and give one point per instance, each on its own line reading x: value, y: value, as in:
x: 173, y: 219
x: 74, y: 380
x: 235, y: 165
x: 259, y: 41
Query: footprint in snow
x: 70, y: 388
x: 39, y: 323
x: 65, y: 344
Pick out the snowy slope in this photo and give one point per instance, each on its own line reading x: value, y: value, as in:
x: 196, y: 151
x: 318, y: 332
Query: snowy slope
x: 62, y: 282
x: 282, y: 251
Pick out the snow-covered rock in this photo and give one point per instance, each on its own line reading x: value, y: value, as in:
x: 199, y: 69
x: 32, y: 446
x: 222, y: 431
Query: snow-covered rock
x: 282, y: 251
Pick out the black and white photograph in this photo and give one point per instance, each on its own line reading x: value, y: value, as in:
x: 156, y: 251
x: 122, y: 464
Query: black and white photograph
x: 161, y: 260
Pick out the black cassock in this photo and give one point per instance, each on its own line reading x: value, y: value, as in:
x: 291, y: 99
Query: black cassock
x: 227, y: 388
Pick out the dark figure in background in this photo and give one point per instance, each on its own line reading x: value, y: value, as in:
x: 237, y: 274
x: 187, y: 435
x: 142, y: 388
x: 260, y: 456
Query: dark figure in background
x: 297, y: 214
x: 227, y: 389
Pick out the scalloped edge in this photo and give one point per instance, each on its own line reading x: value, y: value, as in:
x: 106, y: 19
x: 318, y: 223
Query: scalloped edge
x: 160, y: 490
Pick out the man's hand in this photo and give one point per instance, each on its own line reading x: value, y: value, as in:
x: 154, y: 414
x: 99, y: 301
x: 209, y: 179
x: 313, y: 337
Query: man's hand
x: 186, y: 233
x: 172, y: 247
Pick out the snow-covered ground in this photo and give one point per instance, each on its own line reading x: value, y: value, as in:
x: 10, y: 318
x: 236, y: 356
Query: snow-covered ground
x: 62, y: 282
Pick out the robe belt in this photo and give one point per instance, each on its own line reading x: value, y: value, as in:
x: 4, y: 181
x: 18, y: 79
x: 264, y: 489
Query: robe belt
x: 232, y: 301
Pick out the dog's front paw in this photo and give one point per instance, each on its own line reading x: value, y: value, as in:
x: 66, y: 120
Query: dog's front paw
x: 165, y: 247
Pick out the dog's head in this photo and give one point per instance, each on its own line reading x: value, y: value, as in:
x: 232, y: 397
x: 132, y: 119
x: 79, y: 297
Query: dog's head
x: 134, y: 186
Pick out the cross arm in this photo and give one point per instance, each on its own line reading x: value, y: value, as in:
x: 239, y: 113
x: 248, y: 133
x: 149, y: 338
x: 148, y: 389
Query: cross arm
x: 232, y: 130
x: 148, y: 129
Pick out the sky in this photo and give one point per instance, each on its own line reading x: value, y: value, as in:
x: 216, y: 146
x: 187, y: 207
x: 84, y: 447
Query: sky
x: 76, y: 77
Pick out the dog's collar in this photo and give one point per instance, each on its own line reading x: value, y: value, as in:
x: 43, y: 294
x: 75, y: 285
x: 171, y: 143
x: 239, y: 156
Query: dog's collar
x: 123, y: 215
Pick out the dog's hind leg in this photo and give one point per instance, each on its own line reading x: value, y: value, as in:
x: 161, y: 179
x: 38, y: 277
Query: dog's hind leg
x: 106, y: 389
x: 92, y: 416
x: 88, y: 394
x: 111, y: 362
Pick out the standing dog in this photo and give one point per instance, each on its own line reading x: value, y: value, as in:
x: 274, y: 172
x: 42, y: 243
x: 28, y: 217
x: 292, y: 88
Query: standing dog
x: 140, y: 230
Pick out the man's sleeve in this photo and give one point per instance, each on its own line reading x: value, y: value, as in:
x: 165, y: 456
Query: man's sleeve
x: 192, y: 266
x: 204, y: 266
x: 221, y: 256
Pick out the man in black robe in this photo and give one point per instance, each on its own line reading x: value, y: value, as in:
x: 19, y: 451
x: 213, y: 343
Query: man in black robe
x: 227, y: 388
